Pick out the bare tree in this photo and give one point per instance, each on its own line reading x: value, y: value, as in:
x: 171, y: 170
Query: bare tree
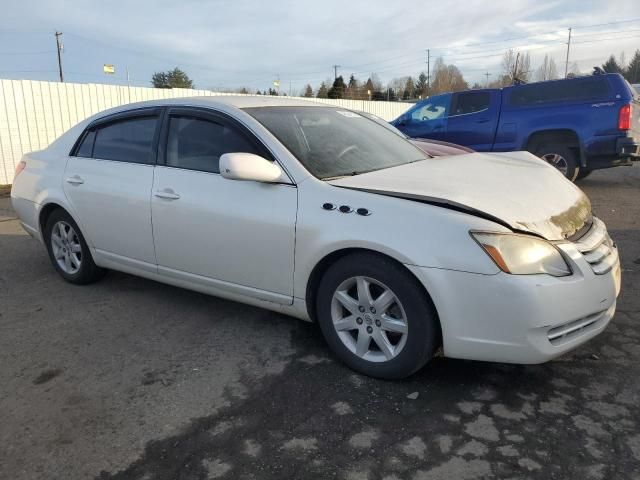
x: 447, y: 78
x: 547, y: 70
x: 516, y: 66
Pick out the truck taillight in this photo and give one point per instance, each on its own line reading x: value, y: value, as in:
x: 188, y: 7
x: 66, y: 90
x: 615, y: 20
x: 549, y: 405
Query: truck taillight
x: 624, y: 117
x: 19, y: 168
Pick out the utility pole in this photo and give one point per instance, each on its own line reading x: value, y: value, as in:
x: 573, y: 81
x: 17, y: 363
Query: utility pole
x: 566, y: 63
x: 428, y: 72
x: 335, y: 72
x: 487, y: 75
x: 515, y: 67
x: 59, y: 49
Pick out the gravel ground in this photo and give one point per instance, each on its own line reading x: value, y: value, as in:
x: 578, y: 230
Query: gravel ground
x: 132, y: 379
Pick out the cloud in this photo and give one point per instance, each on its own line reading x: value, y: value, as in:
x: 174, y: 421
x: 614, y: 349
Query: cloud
x: 223, y: 43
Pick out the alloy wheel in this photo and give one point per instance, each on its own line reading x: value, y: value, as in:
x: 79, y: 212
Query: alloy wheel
x: 557, y: 161
x: 369, y: 319
x: 66, y: 247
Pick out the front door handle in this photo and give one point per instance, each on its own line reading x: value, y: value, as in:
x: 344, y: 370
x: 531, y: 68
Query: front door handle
x: 75, y: 180
x: 483, y: 120
x: 167, y: 194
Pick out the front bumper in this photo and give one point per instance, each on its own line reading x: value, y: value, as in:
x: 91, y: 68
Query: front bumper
x: 522, y: 318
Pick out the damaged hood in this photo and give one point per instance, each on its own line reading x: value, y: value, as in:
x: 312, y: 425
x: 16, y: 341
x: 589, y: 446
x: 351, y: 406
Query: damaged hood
x: 516, y: 189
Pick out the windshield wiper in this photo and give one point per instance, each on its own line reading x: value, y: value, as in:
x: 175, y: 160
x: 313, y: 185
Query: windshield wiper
x: 352, y: 174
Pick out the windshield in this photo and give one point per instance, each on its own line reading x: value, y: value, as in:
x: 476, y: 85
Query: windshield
x: 332, y: 142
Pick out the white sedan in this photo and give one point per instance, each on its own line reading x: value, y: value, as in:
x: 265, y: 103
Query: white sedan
x: 320, y: 213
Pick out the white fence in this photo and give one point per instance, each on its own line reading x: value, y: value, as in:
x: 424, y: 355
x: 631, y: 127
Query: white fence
x: 33, y: 114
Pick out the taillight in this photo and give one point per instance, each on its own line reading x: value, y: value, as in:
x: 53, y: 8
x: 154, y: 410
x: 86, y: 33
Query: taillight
x: 19, y: 168
x: 624, y: 117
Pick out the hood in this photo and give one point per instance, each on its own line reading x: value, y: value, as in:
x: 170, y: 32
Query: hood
x: 516, y: 189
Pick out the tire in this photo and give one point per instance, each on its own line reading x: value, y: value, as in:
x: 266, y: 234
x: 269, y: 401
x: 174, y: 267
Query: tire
x: 584, y: 173
x: 68, y: 250
x: 561, y: 157
x: 409, y: 311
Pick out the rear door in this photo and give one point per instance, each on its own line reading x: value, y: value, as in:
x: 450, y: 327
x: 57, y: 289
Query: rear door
x: 473, y: 119
x: 108, y: 182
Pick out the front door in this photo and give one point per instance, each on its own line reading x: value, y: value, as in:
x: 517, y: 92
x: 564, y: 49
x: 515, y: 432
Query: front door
x: 237, y: 236
x: 428, y: 119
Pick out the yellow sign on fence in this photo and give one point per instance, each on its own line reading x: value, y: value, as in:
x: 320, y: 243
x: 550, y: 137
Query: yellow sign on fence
x: 108, y: 68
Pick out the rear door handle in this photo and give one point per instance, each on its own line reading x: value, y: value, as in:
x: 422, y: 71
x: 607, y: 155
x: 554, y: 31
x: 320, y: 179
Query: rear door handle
x: 483, y: 120
x: 167, y: 194
x: 75, y: 180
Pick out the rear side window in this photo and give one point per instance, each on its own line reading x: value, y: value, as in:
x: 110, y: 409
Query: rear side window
x: 470, y: 103
x: 85, y: 149
x: 127, y: 140
x: 582, y: 89
x: 197, y: 144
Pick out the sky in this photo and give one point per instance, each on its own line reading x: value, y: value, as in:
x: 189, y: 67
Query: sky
x: 232, y: 44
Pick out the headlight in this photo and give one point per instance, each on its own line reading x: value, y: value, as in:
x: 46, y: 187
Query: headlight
x: 522, y: 254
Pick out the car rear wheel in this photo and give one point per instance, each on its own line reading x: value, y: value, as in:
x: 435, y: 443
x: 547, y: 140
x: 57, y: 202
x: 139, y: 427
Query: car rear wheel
x: 376, y: 317
x: 561, y: 157
x: 68, y: 250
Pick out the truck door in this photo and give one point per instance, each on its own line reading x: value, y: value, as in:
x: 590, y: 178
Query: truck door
x: 427, y: 119
x: 473, y: 119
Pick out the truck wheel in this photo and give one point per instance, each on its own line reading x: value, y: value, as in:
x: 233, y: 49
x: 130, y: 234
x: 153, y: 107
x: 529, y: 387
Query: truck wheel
x: 561, y: 157
x: 584, y: 172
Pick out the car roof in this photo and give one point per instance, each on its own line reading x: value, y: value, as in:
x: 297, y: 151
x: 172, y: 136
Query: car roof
x: 238, y: 101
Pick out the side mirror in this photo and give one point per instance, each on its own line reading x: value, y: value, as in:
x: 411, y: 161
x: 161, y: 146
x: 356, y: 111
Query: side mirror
x: 247, y: 166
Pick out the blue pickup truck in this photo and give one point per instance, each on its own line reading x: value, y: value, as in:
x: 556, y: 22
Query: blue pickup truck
x: 577, y: 124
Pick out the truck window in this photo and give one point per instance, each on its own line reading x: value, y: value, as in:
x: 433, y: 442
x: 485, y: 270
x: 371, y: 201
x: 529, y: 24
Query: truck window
x: 433, y: 108
x: 472, y: 102
x: 580, y: 89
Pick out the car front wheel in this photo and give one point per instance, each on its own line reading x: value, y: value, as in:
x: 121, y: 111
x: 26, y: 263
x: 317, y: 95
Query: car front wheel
x: 376, y: 317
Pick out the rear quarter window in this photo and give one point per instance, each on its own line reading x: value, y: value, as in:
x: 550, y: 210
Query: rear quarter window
x: 590, y: 89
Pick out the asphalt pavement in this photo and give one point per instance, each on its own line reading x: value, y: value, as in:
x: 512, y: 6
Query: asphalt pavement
x: 133, y: 379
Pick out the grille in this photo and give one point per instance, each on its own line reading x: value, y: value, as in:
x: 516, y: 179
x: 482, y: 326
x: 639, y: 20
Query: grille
x: 597, y: 248
x: 573, y: 329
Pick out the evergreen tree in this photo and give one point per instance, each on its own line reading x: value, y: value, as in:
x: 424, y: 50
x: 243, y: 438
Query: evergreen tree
x: 338, y: 88
x: 175, y: 78
x: 369, y: 89
x: 353, y: 88
x: 612, y: 66
x: 409, y: 90
x: 322, y: 91
x: 421, y: 88
x: 632, y: 73
x: 308, y: 91
x: 258, y: 92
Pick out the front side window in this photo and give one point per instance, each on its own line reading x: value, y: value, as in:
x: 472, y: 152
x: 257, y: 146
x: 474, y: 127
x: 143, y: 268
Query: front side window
x: 197, y: 144
x: 432, y: 109
x: 127, y: 140
x: 331, y: 142
x: 466, y: 103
